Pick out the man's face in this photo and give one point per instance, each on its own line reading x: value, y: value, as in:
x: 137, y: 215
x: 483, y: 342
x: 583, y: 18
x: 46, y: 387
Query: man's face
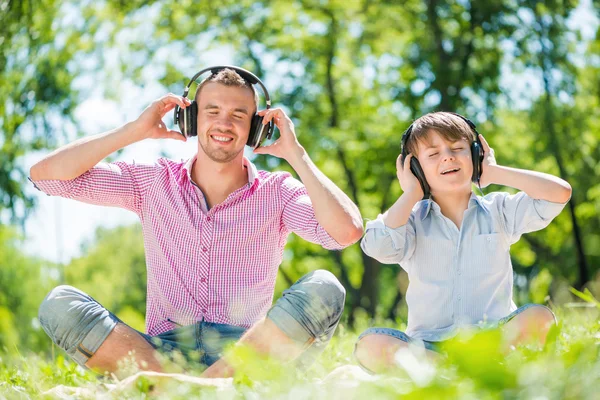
x: 447, y: 165
x: 224, y: 117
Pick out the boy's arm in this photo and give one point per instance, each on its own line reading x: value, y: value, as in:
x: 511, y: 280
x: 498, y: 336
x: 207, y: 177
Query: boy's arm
x: 72, y: 160
x: 333, y: 209
x: 536, y: 185
x: 399, y: 213
x: 390, y: 238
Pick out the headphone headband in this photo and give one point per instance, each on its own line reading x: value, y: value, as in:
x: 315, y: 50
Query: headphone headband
x: 186, y: 118
x: 245, y: 74
x: 415, y: 167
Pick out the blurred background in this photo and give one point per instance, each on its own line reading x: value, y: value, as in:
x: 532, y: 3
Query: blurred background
x: 352, y: 74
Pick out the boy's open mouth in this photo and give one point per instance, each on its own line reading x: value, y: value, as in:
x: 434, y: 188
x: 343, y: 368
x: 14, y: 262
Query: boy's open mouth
x: 450, y: 171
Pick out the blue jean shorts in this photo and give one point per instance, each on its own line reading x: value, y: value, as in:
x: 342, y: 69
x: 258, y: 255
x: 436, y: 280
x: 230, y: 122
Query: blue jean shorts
x: 308, y: 313
x: 435, y: 346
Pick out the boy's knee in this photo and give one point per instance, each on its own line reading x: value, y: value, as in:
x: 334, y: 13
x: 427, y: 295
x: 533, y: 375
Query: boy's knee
x: 375, y: 352
x: 540, y: 315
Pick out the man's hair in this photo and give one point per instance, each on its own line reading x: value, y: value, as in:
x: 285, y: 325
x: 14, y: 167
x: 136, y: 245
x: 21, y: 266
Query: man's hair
x: 451, y: 127
x: 228, y: 77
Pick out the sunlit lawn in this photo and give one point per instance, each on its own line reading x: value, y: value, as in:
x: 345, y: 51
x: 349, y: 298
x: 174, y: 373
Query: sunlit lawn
x: 567, y: 368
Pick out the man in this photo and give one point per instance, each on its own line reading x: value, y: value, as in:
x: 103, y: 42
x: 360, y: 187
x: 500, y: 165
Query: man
x: 214, y: 232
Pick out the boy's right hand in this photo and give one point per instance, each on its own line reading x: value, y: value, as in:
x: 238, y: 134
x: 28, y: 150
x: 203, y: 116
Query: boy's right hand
x: 408, y: 181
x: 150, y: 123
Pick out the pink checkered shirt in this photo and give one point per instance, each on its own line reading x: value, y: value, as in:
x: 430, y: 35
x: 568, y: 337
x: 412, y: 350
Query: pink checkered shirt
x: 219, y: 265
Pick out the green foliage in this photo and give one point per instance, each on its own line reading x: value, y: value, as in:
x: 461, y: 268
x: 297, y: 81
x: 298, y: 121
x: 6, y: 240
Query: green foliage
x: 113, y: 271
x: 568, y: 367
x: 23, y: 284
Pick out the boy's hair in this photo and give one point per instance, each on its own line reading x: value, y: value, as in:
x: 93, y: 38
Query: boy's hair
x: 228, y: 77
x: 451, y: 127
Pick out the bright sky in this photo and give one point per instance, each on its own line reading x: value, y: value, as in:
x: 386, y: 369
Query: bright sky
x: 58, y: 227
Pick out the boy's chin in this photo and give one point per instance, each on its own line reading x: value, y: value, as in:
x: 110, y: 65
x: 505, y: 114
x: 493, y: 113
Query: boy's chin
x: 451, y: 189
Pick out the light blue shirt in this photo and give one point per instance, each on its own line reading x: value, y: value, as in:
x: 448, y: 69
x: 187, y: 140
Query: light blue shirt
x: 463, y: 276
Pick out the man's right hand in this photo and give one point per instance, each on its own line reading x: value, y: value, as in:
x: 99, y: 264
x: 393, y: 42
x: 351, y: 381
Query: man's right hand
x: 150, y: 123
x: 408, y: 181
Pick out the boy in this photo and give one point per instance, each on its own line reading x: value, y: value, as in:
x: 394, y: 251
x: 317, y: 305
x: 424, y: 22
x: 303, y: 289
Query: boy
x: 455, y: 245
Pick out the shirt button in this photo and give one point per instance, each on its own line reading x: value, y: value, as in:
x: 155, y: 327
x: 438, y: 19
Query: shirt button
x: 204, y: 248
x: 208, y: 219
x: 204, y: 311
x: 203, y: 280
x: 458, y: 298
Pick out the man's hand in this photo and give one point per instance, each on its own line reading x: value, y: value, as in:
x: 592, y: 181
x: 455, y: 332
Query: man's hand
x: 408, y: 181
x: 287, y: 146
x: 488, y: 164
x: 150, y: 124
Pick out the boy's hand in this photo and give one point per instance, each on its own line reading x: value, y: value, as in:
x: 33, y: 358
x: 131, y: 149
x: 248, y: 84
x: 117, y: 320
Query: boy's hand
x: 488, y: 164
x: 408, y: 181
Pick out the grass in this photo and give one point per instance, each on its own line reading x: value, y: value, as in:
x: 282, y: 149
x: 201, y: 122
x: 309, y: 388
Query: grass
x: 568, y: 367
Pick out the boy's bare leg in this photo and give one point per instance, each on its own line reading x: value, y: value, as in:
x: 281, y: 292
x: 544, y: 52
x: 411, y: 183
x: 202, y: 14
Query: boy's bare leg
x: 119, y: 343
x: 267, y: 339
x: 377, y: 353
x: 529, y: 327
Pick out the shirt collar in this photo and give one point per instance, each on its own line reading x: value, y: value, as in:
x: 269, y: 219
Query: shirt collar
x: 473, y: 202
x: 250, y: 167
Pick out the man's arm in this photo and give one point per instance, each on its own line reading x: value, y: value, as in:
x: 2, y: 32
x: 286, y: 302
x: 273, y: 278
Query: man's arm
x: 334, y: 210
x: 536, y: 185
x: 72, y: 160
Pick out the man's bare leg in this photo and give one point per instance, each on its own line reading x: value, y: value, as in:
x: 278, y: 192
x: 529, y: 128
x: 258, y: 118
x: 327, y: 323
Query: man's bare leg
x: 117, y: 346
x: 266, y: 339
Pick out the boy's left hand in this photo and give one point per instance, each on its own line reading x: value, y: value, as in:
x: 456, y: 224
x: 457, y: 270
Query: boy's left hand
x: 488, y: 164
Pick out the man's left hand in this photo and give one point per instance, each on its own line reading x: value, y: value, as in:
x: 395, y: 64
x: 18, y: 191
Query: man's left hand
x: 287, y: 146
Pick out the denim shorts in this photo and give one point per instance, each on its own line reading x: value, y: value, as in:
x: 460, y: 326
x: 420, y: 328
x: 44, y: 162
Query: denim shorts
x: 308, y: 313
x: 435, y: 346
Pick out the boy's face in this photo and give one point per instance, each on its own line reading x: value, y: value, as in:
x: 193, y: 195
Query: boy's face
x: 224, y: 117
x: 447, y: 165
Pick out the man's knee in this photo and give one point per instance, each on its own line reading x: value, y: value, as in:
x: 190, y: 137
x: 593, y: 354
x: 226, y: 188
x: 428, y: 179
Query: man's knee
x: 323, y: 290
x: 59, y: 307
x: 311, y: 308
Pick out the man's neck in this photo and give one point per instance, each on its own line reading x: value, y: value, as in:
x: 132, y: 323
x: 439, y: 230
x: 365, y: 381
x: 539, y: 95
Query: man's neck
x: 218, y: 180
x: 453, y: 205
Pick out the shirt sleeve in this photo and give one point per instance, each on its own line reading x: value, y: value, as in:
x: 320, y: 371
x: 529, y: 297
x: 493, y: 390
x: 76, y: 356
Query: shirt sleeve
x: 299, y: 215
x: 116, y: 184
x: 389, y: 245
x: 523, y: 214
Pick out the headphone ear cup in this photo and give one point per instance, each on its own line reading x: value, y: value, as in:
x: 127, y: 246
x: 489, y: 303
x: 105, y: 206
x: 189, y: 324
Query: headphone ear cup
x: 258, y: 131
x: 416, y: 169
x: 192, y: 119
x: 255, y: 131
x: 477, y: 158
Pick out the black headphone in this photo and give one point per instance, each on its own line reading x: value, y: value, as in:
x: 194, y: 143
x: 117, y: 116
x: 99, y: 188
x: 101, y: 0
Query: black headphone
x: 186, y: 118
x: 415, y: 167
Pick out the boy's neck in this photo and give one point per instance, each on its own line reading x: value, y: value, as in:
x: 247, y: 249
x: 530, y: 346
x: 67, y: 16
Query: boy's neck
x: 453, y: 205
